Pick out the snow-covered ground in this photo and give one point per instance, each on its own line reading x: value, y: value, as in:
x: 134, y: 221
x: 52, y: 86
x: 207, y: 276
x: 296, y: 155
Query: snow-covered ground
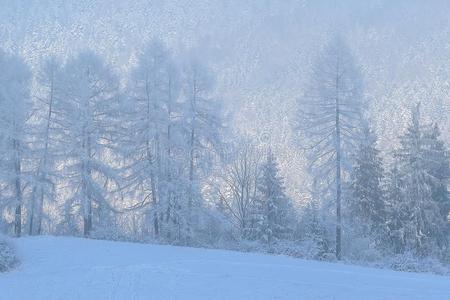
x: 73, y: 268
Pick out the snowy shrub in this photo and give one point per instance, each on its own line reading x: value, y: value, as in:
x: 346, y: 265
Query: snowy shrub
x: 309, y: 249
x: 408, y: 262
x: 8, y: 258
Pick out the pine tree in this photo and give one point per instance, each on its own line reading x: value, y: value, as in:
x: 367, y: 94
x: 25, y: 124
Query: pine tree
x: 315, y: 229
x: 438, y: 165
x: 421, y: 227
x: 273, y: 206
x: 366, y: 207
x: 395, y: 210
x: 330, y: 118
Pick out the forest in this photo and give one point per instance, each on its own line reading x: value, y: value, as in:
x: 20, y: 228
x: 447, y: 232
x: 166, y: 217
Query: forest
x: 156, y: 151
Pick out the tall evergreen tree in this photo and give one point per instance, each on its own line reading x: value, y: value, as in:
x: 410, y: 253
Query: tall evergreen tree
x: 395, y: 210
x: 273, y: 208
x: 315, y: 229
x: 331, y: 119
x: 366, y: 207
x: 422, y: 228
x: 438, y: 164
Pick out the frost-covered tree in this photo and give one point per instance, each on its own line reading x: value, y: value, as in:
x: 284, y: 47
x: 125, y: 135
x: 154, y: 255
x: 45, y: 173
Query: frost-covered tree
x: 239, y: 193
x: 46, y: 133
x: 153, y: 133
x: 329, y: 119
x: 315, y: 226
x: 419, y: 226
x: 366, y: 206
x: 173, y: 130
x: 438, y: 164
x: 395, y: 212
x: 87, y: 112
x: 273, y: 209
x: 15, y: 80
x: 202, y: 123
x: 315, y: 230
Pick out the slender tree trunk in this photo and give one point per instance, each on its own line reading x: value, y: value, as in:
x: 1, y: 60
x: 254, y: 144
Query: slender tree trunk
x: 191, y: 168
x: 87, y: 219
x: 18, y: 220
x: 338, y: 171
x: 86, y: 177
x: 191, y: 158
x: 18, y: 188
x: 32, y: 211
x: 40, y: 212
x: 192, y: 145
x: 151, y: 162
x: 87, y: 207
x: 169, y: 153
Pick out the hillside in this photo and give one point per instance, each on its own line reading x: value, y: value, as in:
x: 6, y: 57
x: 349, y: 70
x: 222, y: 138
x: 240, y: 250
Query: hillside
x: 72, y: 268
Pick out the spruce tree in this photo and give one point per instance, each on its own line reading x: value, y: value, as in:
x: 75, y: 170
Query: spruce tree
x: 395, y: 212
x: 438, y: 165
x: 421, y: 227
x: 366, y: 207
x: 273, y: 207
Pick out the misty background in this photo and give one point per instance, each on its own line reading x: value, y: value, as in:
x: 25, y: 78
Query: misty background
x: 261, y: 53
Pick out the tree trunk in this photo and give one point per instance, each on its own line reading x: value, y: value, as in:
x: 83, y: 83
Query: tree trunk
x: 40, y: 212
x: 87, y: 220
x: 338, y: 171
x: 32, y: 211
x: 87, y: 205
x: 18, y: 188
x: 191, y: 168
x: 87, y: 176
x: 151, y: 162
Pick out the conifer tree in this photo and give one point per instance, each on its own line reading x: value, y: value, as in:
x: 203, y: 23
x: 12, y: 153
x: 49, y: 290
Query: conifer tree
x: 395, y: 212
x: 438, y: 165
x: 422, y: 229
x: 366, y: 207
x: 330, y: 118
x: 273, y: 206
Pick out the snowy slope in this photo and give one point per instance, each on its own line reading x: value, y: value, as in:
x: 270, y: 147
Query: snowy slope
x: 71, y: 268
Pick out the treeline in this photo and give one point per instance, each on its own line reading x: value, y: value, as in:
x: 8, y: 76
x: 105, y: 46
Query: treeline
x: 97, y: 150
x: 380, y: 208
x: 149, y: 156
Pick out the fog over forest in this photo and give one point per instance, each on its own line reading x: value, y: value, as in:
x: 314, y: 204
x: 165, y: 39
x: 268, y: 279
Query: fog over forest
x: 316, y: 129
